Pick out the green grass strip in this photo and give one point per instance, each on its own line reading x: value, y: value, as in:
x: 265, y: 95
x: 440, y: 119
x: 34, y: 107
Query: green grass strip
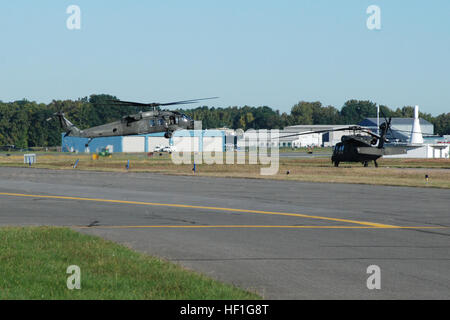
x: 34, y: 260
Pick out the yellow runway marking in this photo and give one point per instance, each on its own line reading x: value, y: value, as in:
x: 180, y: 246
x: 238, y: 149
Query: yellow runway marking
x: 364, y: 223
x: 251, y: 226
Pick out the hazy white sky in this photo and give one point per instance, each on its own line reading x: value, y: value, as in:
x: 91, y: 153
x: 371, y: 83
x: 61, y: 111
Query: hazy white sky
x: 273, y: 53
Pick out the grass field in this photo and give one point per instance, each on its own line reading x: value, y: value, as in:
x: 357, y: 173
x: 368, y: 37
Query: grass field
x: 34, y: 260
x: 397, y: 172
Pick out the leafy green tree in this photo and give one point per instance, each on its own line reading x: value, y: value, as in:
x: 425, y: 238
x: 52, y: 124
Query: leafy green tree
x: 23, y: 123
x: 326, y: 115
x: 246, y: 120
x: 355, y: 111
x: 303, y: 112
x: 442, y: 124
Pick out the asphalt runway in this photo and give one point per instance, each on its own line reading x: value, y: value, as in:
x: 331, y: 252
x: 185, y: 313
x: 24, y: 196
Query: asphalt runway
x: 305, y: 155
x: 285, y: 240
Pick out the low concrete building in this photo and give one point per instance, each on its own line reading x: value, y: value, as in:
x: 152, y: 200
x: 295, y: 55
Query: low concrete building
x: 425, y: 151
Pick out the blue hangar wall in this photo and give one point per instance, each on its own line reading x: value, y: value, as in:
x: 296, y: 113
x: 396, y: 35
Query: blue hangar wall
x: 77, y: 144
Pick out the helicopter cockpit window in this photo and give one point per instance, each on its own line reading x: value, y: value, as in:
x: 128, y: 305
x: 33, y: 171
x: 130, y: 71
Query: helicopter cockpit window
x: 161, y: 122
x: 185, y: 117
x: 152, y: 123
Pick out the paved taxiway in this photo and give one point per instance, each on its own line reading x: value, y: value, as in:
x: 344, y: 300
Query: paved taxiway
x: 305, y: 155
x: 287, y: 240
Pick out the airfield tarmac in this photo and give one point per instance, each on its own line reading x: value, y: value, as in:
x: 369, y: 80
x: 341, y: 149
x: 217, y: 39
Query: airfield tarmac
x: 305, y: 155
x: 283, y: 239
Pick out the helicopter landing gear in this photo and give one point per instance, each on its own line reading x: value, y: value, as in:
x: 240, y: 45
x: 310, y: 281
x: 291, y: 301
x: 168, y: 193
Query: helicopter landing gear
x: 336, y: 163
x: 89, y: 141
x: 366, y: 164
x: 168, y: 135
x: 376, y: 164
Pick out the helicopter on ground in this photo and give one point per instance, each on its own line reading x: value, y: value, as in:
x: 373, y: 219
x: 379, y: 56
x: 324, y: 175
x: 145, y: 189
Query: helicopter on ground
x: 141, y: 123
x: 358, y: 147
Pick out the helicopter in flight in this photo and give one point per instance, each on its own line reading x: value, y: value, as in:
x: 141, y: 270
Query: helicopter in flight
x: 358, y: 147
x: 141, y: 123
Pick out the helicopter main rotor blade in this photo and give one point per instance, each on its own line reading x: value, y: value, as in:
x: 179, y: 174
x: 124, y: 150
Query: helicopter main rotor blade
x: 356, y: 128
x: 154, y: 104
x: 126, y: 103
x: 186, y: 101
x: 370, y: 133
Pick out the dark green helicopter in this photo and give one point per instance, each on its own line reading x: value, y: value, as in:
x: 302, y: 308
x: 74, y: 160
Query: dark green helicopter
x: 141, y: 123
x: 363, y: 148
x: 360, y: 148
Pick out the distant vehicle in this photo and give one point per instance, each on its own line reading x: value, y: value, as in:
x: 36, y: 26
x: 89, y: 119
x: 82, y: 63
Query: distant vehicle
x: 158, y: 148
x: 104, y: 153
x: 169, y: 149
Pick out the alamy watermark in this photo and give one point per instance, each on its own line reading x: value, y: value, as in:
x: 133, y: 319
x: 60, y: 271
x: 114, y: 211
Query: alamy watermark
x: 73, y: 22
x: 253, y: 147
x: 374, y: 20
x: 74, y: 280
x: 374, y: 280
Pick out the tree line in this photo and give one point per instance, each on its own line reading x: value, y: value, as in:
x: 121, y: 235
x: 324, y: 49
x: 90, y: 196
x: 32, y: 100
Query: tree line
x: 23, y: 123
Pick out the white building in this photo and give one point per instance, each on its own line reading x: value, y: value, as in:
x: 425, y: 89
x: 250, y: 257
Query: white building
x: 418, y: 148
x: 400, y: 128
x: 324, y: 139
x: 289, y: 137
x: 426, y: 151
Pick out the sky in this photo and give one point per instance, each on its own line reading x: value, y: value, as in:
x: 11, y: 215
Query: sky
x: 248, y: 52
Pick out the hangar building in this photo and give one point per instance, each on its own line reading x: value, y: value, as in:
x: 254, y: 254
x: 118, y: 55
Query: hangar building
x: 326, y: 139
x: 182, y: 140
x: 288, y: 138
x: 401, y: 127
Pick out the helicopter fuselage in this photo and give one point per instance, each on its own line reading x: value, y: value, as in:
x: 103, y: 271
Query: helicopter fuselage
x: 140, y: 123
x: 356, y: 148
